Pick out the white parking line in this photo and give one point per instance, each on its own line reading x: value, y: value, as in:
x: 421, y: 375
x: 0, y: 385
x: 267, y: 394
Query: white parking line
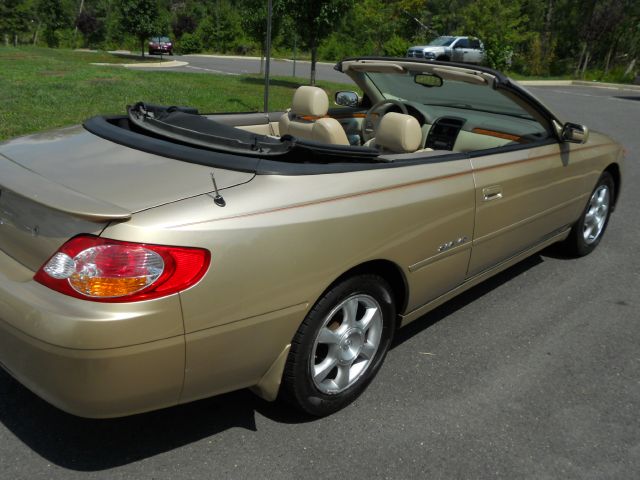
x: 212, y: 70
x: 564, y: 92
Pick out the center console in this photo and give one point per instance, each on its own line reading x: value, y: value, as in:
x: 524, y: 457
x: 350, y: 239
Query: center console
x: 444, y: 132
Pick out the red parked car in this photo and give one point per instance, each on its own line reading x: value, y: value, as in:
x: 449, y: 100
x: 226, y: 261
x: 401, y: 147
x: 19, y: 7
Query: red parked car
x: 160, y: 45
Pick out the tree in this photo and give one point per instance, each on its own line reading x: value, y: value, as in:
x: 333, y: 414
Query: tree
x: 315, y: 20
x: 15, y: 17
x: 54, y: 15
x: 184, y: 23
x: 603, y: 17
x: 92, y: 26
x: 500, y: 24
x: 255, y: 21
x: 221, y: 28
x: 139, y: 17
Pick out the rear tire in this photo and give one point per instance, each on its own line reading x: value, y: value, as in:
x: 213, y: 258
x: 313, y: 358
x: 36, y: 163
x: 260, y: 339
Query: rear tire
x: 340, y: 346
x: 590, y: 227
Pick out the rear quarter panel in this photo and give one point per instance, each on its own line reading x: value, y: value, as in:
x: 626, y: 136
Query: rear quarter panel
x: 282, y: 240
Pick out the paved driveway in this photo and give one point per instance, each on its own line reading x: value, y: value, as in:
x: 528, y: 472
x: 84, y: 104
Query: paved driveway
x: 251, y: 65
x: 533, y: 374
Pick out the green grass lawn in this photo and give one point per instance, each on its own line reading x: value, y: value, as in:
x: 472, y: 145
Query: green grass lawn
x: 44, y: 88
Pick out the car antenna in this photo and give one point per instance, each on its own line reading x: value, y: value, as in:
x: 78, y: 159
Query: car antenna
x: 218, y: 200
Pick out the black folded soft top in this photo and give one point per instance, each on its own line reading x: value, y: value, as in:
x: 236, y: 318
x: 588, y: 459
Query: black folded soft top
x: 184, y: 134
x: 184, y: 124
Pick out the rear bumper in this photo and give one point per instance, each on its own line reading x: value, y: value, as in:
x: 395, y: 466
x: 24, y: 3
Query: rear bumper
x: 96, y: 383
x: 90, y: 359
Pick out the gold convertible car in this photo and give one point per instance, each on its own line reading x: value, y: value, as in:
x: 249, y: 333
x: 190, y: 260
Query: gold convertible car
x: 163, y: 256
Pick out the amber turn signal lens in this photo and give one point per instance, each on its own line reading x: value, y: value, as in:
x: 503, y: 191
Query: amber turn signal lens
x: 115, y: 270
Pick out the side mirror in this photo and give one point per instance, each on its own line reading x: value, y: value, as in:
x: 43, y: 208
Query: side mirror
x: 347, y: 99
x: 574, y: 133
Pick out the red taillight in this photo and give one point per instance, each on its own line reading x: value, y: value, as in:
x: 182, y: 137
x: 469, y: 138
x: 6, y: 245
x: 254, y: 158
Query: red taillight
x: 104, y: 270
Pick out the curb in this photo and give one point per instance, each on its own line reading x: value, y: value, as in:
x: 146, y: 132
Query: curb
x: 545, y: 83
x: 240, y: 57
x: 578, y: 83
x: 171, y: 64
x: 617, y: 86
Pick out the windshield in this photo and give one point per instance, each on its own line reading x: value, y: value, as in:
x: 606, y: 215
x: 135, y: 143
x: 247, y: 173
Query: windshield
x: 452, y: 93
x: 442, y: 42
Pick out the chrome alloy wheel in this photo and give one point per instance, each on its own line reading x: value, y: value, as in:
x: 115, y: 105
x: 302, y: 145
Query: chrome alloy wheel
x: 596, y: 216
x: 346, y: 343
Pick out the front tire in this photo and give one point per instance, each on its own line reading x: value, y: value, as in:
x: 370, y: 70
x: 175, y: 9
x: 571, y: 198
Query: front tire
x: 340, y: 346
x: 590, y: 227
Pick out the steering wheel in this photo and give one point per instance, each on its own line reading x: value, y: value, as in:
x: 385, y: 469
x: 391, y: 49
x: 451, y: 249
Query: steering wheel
x: 372, y: 119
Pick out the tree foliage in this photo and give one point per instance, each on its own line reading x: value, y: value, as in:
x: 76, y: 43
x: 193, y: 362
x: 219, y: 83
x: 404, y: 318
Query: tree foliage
x: 15, y: 16
x: 254, y: 21
x: 600, y: 38
x: 54, y: 15
x: 314, y: 20
x: 140, y: 17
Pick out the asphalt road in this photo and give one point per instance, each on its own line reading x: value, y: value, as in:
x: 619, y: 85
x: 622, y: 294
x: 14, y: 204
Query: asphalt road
x: 534, y: 374
x: 249, y: 65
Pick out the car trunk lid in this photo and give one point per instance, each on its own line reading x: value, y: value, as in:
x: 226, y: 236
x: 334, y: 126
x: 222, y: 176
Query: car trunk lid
x: 65, y: 182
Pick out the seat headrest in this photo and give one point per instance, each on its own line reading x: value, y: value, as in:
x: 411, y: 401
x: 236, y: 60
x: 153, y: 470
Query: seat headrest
x: 399, y: 133
x: 311, y: 101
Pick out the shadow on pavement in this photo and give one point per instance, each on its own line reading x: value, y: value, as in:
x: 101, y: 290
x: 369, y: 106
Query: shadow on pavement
x: 464, y: 299
x: 92, y: 445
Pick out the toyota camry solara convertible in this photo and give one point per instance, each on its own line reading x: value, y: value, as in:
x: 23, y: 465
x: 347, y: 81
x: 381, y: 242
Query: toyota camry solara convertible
x: 162, y: 256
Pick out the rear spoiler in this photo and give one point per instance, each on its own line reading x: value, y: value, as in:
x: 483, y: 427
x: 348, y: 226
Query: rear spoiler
x: 38, y: 189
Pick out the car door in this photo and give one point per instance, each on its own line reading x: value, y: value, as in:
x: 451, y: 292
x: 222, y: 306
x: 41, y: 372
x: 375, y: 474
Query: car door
x: 459, y: 49
x: 523, y: 197
x: 474, y: 53
x: 435, y: 228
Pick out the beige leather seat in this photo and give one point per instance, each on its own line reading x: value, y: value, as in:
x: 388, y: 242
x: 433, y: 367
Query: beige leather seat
x: 397, y: 133
x: 307, y: 120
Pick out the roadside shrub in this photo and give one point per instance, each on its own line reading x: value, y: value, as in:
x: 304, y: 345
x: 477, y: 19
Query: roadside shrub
x: 244, y: 48
x: 190, y: 43
x: 338, y: 46
x: 221, y: 31
x: 396, y: 46
x: 614, y: 75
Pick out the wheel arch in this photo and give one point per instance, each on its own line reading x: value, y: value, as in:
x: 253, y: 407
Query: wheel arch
x: 388, y: 270
x: 269, y: 385
x: 614, y: 170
